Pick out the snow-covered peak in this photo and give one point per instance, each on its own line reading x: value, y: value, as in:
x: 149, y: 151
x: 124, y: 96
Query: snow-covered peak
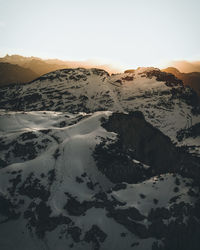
x: 160, y: 96
x: 141, y: 70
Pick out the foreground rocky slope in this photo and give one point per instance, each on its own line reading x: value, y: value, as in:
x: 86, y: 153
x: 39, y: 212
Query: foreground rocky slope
x: 92, y: 161
x: 75, y: 181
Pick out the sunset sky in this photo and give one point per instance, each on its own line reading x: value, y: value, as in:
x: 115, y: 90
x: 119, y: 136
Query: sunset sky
x: 127, y: 33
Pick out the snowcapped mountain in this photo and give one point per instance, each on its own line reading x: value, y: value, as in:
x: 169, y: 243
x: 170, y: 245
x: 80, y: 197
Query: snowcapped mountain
x: 161, y: 97
x: 93, y: 161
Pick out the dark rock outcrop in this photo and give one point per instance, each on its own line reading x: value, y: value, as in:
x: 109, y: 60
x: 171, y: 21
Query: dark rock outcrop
x: 137, y: 139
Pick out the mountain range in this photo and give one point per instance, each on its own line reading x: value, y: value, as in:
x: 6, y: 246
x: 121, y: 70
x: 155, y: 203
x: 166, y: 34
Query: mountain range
x: 186, y: 66
x: 96, y: 161
x: 17, y: 69
x: 15, y: 74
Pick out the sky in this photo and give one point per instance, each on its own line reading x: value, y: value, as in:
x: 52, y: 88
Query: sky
x: 125, y: 33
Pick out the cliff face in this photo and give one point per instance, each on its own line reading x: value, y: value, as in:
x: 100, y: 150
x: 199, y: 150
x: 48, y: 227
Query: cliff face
x: 139, y: 140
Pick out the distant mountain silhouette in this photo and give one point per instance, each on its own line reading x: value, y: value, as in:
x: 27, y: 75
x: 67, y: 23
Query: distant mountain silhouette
x: 20, y: 69
x: 186, y: 66
x: 37, y: 67
x: 190, y: 79
x: 11, y: 73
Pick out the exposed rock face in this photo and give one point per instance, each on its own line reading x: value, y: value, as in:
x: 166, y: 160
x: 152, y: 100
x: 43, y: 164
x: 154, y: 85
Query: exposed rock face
x: 146, y: 143
x: 193, y: 131
x: 168, y: 78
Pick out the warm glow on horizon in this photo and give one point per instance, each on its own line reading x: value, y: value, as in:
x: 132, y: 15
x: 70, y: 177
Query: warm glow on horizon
x: 124, y: 33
